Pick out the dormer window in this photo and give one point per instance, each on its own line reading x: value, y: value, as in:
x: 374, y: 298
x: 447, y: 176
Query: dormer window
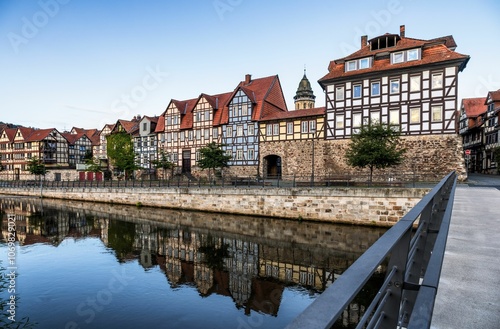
x: 358, y: 64
x: 405, y: 56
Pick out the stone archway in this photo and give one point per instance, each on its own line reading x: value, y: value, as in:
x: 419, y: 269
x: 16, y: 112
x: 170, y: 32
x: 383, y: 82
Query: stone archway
x: 272, y: 166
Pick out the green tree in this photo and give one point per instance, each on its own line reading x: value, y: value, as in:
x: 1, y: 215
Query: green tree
x: 212, y: 157
x: 93, y: 164
x: 121, y: 153
x: 36, y: 167
x: 375, y: 146
x: 163, y: 162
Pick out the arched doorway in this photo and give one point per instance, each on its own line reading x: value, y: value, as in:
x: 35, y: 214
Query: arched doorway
x: 273, y: 166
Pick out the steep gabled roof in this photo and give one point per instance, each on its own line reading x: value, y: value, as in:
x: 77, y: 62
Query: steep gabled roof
x: 317, y: 111
x: 474, y: 106
x: 433, y: 51
x: 73, y: 138
x: 265, y: 93
x: 160, y: 125
x: 38, y: 135
x: 186, y: 109
x: 219, y: 103
x: 493, y: 96
x: 11, y: 133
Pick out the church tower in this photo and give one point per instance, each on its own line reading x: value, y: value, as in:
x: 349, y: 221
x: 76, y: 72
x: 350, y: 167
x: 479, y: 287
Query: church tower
x: 304, y: 97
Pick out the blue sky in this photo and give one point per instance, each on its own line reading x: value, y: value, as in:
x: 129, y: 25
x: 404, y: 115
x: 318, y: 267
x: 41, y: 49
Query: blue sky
x: 86, y: 63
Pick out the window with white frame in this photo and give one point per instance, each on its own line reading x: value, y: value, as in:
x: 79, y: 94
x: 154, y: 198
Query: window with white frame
x: 250, y: 154
x: 190, y: 135
x: 269, y: 129
x: 394, y: 86
x: 198, y: 134
x: 289, y: 128
x: 312, y: 126
x: 356, y: 91
x: 251, y: 129
x: 239, y: 154
x: 413, y: 54
x: 437, y: 80
x: 436, y: 113
x: 358, y: 64
x: 394, y: 117
x: 229, y: 131
x: 197, y: 156
x: 304, y: 127
x: 239, y: 130
x: 339, y: 93
x: 276, y: 129
x: 215, y: 133
x: 351, y: 66
x: 364, y: 63
x: 375, y: 88
x: 415, y: 115
x: 244, y: 109
x: 356, y: 120
x: 374, y: 117
x: 397, y: 57
x: 405, y: 56
x: 414, y: 83
x: 339, y: 121
x: 207, y: 134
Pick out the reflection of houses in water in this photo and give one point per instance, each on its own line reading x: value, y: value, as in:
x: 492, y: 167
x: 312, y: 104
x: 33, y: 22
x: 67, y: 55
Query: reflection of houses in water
x: 146, y: 240
x: 34, y: 224
x: 298, y: 266
x: 242, y: 265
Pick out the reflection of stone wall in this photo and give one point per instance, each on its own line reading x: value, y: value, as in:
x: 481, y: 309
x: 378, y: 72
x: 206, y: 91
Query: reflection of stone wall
x: 382, y: 206
x: 429, y: 156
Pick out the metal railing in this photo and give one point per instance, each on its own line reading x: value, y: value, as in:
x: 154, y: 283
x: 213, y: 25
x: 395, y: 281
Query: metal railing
x: 347, y: 180
x: 414, y: 256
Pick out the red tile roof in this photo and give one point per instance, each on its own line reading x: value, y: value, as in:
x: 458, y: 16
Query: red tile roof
x: 494, y: 95
x: 38, y: 135
x: 317, y: 111
x: 186, y: 109
x: 160, y: 126
x: 11, y: 133
x: 266, y: 95
x: 474, y: 106
x: 219, y: 103
x: 438, y: 50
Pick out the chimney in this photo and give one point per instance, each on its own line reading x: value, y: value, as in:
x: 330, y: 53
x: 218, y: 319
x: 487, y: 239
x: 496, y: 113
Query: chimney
x: 248, y: 78
x: 402, y: 31
x: 364, y: 40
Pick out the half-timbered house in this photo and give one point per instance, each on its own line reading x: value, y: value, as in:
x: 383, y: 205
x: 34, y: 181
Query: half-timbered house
x: 79, y: 146
x: 491, y: 131
x: 406, y: 82
x: 145, y: 144
x: 472, y: 111
x: 252, y: 100
x: 23, y: 144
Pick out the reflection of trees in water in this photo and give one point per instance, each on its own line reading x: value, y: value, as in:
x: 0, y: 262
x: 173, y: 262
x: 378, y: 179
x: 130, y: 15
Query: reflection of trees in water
x: 121, y: 237
x: 214, y: 253
x: 5, y: 322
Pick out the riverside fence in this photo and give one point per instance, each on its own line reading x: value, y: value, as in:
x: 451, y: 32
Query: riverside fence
x: 358, y: 180
x: 414, y: 258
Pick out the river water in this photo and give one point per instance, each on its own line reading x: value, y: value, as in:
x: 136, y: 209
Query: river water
x: 88, y: 265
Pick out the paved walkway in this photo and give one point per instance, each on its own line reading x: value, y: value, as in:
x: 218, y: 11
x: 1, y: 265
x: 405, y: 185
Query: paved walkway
x: 469, y: 290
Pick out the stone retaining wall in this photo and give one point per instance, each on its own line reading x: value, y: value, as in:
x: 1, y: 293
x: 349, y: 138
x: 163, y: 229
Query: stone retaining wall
x: 368, y: 206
